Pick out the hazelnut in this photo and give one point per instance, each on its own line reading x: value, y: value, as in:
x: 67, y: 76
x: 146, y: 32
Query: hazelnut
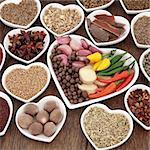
x: 36, y: 128
x: 31, y: 109
x: 50, y: 106
x: 25, y: 121
x: 42, y: 116
x: 49, y: 129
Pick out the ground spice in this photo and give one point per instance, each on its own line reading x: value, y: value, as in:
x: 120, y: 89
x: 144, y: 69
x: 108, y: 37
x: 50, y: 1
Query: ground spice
x: 139, y: 104
x: 105, y: 129
x: 61, y: 21
x: 94, y: 3
x: 4, y: 113
x: 137, y: 4
x: 142, y: 30
x: 26, y: 83
x: 1, y: 56
x: 146, y: 63
x: 21, y: 14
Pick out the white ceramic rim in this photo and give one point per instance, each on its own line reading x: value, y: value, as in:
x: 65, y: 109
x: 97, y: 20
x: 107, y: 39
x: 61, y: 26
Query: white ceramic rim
x: 9, y: 102
x: 132, y: 12
x: 16, y: 25
x: 12, y: 67
x: 137, y: 86
x: 43, y: 138
x: 117, y: 111
x: 96, y: 8
x: 74, y: 106
x: 16, y: 31
x: 119, y: 19
x: 4, y: 56
x: 57, y: 5
x: 141, y: 63
x: 132, y: 29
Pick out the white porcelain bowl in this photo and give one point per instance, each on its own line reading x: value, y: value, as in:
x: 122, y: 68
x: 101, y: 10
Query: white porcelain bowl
x: 17, y: 31
x: 117, y: 111
x: 11, y: 68
x: 104, y: 50
x: 57, y: 5
x: 118, y: 19
x: 40, y: 105
x: 132, y: 12
x: 96, y: 8
x: 133, y: 88
x: 16, y: 25
x: 141, y: 64
x: 134, y: 20
x: 8, y: 100
x: 3, y: 57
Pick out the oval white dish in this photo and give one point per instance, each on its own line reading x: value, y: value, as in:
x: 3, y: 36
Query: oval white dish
x: 104, y: 50
x: 132, y: 29
x: 57, y: 5
x: 118, y: 19
x: 3, y: 57
x: 9, y: 69
x: 8, y: 100
x: 96, y: 8
x: 17, y: 31
x: 135, y: 87
x: 117, y: 111
x: 16, y: 25
x: 40, y: 105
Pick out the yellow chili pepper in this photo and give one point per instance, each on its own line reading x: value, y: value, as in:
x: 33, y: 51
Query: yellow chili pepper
x: 105, y: 63
x: 96, y: 65
x: 94, y: 58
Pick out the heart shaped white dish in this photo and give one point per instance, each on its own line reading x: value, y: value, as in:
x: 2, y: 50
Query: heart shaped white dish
x: 73, y: 13
x: 16, y: 2
x: 77, y: 39
x: 96, y: 8
x: 3, y: 56
x: 97, y: 113
x: 118, y: 20
x: 25, y: 83
x: 141, y: 63
x: 18, y: 31
x: 40, y: 106
x: 9, y: 102
x: 132, y: 11
x: 131, y: 90
x: 134, y: 20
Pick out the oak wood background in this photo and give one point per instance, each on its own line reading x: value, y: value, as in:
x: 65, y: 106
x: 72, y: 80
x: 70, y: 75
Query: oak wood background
x: 71, y: 136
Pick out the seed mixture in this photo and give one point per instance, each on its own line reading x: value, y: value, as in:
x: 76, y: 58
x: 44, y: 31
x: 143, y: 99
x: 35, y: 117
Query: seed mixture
x: 27, y: 44
x: 61, y: 21
x: 94, y: 3
x: 137, y: 4
x: 139, y: 104
x: 105, y: 129
x: 142, y: 30
x: 146, y: 63
x: 21, y: 14
x: 26, y: 83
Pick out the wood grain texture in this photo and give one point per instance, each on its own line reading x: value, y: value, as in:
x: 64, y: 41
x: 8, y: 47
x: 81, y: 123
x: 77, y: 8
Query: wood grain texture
x: 71, y: 136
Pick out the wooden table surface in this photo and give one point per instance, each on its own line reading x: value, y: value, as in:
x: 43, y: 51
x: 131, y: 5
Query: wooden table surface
x: 71, y: 136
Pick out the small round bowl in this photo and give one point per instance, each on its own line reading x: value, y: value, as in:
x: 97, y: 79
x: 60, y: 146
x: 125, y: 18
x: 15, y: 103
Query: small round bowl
x: 40, y: 105
x: 141, y: 64
x: 118, y: 19
x: 132, y: 12
x: 12, y: 67
x: 57, y: 5
x: 133, y: 88
x: 3, y: 57
x: 96, y: 8
x: 117, y: 111
x: 134, y: 20
x: 17, y: 31
x: 8, y: 100
x: 16, y: 25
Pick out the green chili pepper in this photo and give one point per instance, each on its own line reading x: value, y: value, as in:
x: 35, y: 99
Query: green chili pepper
x: 117, y: 58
